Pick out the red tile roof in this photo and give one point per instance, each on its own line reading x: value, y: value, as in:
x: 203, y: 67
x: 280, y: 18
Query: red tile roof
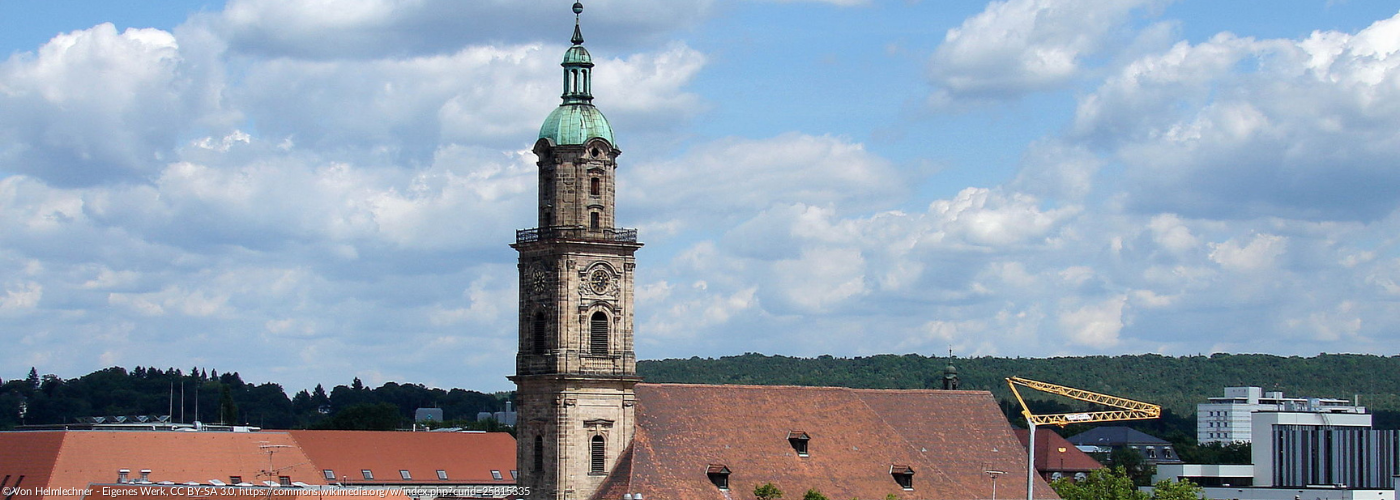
x: 1048, y: 455
x: 467, y: 457
x: 26, y: 460
x: 858, y: 436
x: 75, y: 459
x: 183, y: 492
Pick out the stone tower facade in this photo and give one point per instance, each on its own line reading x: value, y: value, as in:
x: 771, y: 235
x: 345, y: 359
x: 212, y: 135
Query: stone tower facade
x: 575, y: 366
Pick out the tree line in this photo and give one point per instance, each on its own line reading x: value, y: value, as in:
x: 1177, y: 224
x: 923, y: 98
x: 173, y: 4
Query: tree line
x: 214, y: 397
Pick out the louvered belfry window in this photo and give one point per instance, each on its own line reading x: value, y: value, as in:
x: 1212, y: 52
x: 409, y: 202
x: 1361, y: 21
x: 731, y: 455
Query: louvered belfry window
x: 597, y: 455
x: 541, y: 336
x: 598, y: 334
x: 539, y: 453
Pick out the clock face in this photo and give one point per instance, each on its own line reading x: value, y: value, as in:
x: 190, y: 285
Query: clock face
x: 600, y: 281
x: 539, y: 279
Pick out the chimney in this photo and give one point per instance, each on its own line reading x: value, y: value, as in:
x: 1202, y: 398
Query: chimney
x: 122, y: 475
x: 145, y: 475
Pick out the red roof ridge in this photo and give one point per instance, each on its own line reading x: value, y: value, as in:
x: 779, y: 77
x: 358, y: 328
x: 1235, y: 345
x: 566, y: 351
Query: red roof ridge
x: 813, y: 387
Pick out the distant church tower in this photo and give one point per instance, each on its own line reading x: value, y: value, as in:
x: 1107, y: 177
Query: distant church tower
x: 575, y: 369
x: 950, y: 374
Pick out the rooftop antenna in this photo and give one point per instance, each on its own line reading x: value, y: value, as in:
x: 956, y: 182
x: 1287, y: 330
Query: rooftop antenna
x: 274, y: 472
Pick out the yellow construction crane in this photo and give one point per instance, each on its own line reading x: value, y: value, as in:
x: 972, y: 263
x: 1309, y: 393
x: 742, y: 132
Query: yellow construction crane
x: 1127, y: 409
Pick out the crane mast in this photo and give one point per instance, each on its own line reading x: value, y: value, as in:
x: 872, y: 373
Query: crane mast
x: 1125, y: 409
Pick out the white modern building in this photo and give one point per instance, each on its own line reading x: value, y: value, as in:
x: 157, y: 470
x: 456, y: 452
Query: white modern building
x: 1304, y: 455
x: 1227, y: 419
x: 1314, y: 448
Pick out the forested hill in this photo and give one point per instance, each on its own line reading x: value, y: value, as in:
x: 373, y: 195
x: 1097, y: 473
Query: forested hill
x: 211, y: 397
x: 1176, y: 383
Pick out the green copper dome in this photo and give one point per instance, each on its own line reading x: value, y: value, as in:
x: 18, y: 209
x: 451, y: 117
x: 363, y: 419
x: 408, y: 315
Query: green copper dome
x: 576, y: 120
x: 578, y: 55
x: 573, y: 124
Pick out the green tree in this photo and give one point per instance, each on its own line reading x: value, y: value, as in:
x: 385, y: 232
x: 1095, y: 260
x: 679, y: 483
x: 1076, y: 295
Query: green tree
x: 767, y: 492
x: 1167, y: 489
x: 228, y: 410
x: 1133, y: 464
x: 1102, y: 484
x: 813, y: 494
x: 1216, y: 453
x: 364, y: 417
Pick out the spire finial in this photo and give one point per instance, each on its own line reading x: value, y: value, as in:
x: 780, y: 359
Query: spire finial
x: 578, y: 34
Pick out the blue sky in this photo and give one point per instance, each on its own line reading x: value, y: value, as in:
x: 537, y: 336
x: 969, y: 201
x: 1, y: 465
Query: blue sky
x: 309, y: 191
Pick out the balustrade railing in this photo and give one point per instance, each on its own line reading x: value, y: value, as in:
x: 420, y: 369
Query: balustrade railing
x: 615, y: 235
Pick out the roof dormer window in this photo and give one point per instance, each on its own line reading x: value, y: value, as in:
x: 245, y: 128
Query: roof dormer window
x: 719, y: 475
x: 903, y: 475
x: 798, y: 440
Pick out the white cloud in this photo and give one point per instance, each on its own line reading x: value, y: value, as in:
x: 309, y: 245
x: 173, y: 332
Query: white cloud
x: 1057, y: 170
x: 1237, y: 127
x: 987, y: 217
x: 1094, y: 325
x: 1171, y: 233
x: 95, y: 105
x: 1341, y: 323
x: 1019, y: 46
x: 736, y: 177
x: 172, y: 299
x: 821, y: 278
x: 21, y: 296
x: 1261, y: 253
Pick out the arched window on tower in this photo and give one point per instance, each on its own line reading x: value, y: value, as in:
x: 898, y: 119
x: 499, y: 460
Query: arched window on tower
x: 598, y: 334
x: 593, y: 223
x: 597, y: 455
x: 595, y: 186
x: 541, y: 335
x: 539, y: 453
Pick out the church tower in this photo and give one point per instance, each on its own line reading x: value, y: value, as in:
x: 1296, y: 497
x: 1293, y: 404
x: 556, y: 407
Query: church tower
x: 575, y: 368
